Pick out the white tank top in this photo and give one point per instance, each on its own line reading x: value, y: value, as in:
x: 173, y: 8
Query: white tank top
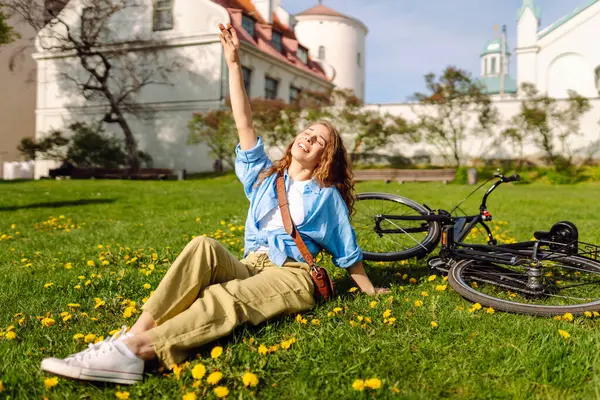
x: 273, y: 219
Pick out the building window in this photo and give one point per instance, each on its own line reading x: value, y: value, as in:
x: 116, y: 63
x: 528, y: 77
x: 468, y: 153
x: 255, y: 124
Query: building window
x: 321, y: 52
x: 485, y: 69
x: 302, y: 54
x: 163, y: 15
x: 87, y: 21
x: 271, y: 88
x: 276, y: 39
x: 359, y: 59
x: 294, y: 93
x: 493, y: 71
x: 248, y: 24
x: 246, y: 73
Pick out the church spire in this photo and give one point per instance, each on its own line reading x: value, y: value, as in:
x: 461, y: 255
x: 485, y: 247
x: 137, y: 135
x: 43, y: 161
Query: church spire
x: 531, y: 5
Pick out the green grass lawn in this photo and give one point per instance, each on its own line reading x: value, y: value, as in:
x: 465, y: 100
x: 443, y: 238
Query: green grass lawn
x: 90, y: 252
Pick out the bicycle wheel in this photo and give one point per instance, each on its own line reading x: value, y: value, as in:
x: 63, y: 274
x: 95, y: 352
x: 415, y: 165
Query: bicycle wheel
x: 562, y: 284
x: 385, y: 239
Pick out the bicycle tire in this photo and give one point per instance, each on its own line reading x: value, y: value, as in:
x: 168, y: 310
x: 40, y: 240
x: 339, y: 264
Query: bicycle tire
x: 457, y: 282
x: 426, y: 246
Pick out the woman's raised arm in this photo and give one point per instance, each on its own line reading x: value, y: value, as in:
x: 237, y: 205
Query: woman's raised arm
x: 242, y: 114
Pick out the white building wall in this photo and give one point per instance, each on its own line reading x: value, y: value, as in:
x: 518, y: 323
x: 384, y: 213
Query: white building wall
x: 483, y: 147
x: 196, y: 85
x: 343, y: 39
x: 568, y: 57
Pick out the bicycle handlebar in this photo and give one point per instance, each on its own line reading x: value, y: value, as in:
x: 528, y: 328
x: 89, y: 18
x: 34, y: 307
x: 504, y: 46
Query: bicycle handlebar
x: 512, y: 178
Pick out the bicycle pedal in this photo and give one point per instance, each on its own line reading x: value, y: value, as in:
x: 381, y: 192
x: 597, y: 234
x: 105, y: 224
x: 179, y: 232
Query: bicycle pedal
x: 437, y: 264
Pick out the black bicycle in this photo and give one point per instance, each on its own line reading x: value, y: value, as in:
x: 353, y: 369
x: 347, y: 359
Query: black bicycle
x: 554, y: 274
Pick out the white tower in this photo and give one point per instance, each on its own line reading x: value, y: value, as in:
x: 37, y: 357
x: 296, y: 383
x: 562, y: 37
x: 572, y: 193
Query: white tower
x: 338, y: 42
x: 495, y: 75
x: 528, y: 23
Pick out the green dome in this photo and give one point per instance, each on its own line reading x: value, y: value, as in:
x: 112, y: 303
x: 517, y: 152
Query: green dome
x: 494, y: 46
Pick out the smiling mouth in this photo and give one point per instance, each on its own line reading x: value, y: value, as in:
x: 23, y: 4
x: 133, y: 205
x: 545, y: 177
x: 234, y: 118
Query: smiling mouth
x: 303, y: 147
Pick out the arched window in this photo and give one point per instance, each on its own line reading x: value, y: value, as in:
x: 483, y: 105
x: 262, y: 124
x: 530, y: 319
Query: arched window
x: 321, y: 52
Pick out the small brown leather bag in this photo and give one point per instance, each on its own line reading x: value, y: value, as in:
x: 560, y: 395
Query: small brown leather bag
x: 324, y: 289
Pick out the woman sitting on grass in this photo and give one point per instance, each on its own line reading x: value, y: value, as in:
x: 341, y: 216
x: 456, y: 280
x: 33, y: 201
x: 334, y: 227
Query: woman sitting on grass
x: 207, y: 292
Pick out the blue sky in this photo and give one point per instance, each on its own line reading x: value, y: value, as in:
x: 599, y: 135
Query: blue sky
x: 409, y: 38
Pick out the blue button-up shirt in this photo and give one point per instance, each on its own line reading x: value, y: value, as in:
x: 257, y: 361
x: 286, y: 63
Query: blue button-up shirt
x: 326, y: 222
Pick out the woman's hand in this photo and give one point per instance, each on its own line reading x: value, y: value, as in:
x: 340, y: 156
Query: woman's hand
x: 378, y: 291
x: 231, y: 44
x: 358, y: 274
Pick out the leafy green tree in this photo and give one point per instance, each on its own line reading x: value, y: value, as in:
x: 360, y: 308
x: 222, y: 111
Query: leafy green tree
x: 217, y: 130
x: 7, y: 33
x: 86, y: 146
x: 454, y: 109
x: 551, y: 124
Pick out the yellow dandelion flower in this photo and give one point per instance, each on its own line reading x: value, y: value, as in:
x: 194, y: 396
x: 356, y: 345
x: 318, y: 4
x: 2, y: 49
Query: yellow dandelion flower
x: 91, y: 263
x: 588, y: 314
x: 391, y: 321
x: 490, y: 310
x: 177, y: 371
x: 441, y: 288
x: 315, y: 322
x: 477, y: 306
x: 47, y: 321
x: 434, y: 324
x: 564, y: 334
x: 221, y: 391
x: 353, y: 289
x: 10, y: 335
x: 78, y: 336
x: 372, y: 304
x: 47, y: 285
x: 99, y: 302
x: 373, y: 383
x: 567, y: 317
x: 89, y: 338
x: 262, y: 349
x: 122, y: 395
x: 105, y: 262
x: 432, y: 278
x: 189, y: 396
x: 214, y: 378
x: 67, y: 317
x: 250, y: 379
x: 387, y: 313
x: 216, y: 352
x: 147, y: 286
x: 358, y: 385
x: 49, y: 383
x: 198, y: 371
x: 337, y: 310
x: 418, y: 303
x: 557, y: 318
x: 596, y: 314
x: 68, y: 266
x: 424, y: 294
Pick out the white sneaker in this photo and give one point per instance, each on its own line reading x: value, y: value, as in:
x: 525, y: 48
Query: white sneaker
x: 102, y: 361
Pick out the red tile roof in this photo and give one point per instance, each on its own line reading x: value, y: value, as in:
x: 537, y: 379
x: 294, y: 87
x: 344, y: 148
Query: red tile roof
x: 320, y: 9
x: 290, y: 42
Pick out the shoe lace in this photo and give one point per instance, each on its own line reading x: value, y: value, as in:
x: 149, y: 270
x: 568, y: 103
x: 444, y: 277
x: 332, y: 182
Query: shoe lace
x: 102, y: 346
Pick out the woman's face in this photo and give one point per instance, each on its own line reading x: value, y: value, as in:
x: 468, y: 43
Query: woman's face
x: 310, y: 144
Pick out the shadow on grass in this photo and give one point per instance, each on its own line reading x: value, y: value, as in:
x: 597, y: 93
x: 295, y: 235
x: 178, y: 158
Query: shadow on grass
x: 58, y: 204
